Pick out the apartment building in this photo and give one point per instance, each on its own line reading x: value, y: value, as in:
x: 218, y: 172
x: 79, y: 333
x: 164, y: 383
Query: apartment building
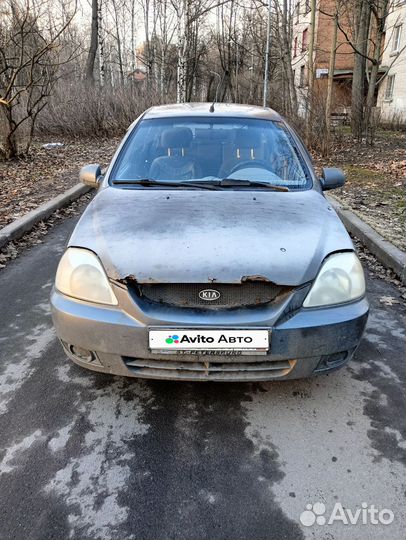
x: 322, y: 50
x: 392, y: 91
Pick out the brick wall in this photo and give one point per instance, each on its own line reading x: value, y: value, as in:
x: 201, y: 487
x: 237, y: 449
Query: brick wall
x: 345, y: 56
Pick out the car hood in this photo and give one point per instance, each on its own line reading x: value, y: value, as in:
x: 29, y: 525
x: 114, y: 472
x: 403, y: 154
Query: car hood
x: 201, y: 236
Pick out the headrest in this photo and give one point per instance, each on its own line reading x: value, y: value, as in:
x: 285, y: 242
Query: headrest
x: 247, y: 138
x: 176, y: 138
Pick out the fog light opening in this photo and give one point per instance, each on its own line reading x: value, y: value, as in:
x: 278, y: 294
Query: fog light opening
x: 332, y: 361
x: 84, y: 355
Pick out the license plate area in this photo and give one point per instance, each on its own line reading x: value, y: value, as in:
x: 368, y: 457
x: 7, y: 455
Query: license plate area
x: 209, y: 341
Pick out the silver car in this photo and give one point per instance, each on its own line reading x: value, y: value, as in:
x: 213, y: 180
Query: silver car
x: 210, y: 253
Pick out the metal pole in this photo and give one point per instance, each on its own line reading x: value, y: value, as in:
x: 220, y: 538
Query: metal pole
x: 268, y: 43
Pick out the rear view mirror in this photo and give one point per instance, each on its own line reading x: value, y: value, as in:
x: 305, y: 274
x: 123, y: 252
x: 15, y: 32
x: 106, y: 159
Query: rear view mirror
x: 91, y: 175
x: 332, y: 178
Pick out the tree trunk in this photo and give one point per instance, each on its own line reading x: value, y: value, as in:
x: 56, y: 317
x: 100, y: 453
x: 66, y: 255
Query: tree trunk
x: 358, y: 78
x: 91, y: 57
x: 100, y: 39
x: 287, y: 61
x: 267, y: 47
x: 376, y: 60
x: 118, y: 40
x: 329, y: 95
x: 164, y: 45
x: 10, y: 139
x: 310, y: 71
x: 251, y: 69
x: 133, y: 54
x: 209, y: 87
x: 370, y: 96
x: 182, y: 61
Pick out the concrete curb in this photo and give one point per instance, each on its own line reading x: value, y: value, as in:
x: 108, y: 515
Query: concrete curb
x: 388, y: 254
x: 19, y: 227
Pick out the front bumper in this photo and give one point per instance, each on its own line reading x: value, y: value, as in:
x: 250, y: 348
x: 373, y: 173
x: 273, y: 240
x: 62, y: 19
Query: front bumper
x: 303, y: 341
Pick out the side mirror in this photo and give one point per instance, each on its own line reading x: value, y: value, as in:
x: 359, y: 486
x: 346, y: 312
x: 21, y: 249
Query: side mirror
x: 91, y: 175
x: 332, y: 178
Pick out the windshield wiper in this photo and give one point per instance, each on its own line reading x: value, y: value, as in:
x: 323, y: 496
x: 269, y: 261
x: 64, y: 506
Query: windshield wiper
x: 205, y: 184
x: 148, y: 182
x: 231, y: 182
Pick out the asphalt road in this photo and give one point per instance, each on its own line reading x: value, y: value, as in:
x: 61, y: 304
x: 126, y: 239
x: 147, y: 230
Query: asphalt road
x: 84, y: 455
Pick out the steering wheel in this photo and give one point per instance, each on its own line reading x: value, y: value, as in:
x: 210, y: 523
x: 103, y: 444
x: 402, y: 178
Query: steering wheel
x: 251, y: 163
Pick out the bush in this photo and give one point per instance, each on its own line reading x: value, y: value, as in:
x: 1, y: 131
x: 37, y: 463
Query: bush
x: 80, y: 109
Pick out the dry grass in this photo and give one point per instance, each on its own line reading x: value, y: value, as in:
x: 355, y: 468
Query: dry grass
x: 375, y: 187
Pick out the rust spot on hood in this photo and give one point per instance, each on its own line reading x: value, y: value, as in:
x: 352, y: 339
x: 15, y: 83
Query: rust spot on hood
x: 133, y: 280
x: 254, y: 278
x: 126, y: 280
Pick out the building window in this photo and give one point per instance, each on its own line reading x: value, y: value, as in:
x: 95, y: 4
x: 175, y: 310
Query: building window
x: 305, y: 40
x: 390, y: 84
x: 302, y: 81
x: 396, y: 38
x: 295, y: 47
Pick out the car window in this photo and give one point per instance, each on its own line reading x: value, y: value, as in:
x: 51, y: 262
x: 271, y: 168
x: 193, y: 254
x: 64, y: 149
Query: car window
x: 181, y: 149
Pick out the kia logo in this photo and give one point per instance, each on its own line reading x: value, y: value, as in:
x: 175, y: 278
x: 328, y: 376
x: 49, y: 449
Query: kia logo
x: 209, y: 295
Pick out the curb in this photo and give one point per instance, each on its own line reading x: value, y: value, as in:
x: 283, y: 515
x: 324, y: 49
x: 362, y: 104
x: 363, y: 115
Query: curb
x: 20, y: 226
x: 386, y: 253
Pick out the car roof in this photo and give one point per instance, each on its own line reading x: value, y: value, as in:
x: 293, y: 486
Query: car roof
x: 203, y: 109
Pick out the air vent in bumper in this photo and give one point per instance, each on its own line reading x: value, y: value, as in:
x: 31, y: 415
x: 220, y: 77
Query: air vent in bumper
x: 209, y: 371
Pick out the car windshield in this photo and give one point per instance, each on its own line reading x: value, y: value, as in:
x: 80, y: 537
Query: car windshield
x: 204, y: 149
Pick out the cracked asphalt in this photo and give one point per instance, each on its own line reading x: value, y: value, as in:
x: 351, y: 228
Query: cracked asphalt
x: 89, y: 456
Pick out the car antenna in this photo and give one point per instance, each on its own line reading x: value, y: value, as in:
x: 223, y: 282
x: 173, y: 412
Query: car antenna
x: 217, y: 90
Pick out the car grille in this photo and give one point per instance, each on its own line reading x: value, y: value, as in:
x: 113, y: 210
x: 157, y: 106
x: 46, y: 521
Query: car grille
x: 209, y: 371
x: 231, y: 296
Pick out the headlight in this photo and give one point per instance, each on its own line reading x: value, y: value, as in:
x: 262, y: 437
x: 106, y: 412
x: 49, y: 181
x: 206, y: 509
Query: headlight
x: 81, y: 275
x: 340, y: 279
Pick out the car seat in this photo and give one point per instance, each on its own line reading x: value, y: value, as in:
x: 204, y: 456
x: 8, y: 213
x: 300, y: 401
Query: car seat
x: 246, y: 147
x: 176, y: 165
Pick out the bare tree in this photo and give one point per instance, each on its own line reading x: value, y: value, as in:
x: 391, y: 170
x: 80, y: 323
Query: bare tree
x: 100, y: 43
x: 310, y: 70
x: 91, y: 56
x: 193, y: 50
x: 29, y: 60
x: 329, y: 96
x: 362, y: 26
x: 180, y: 8
x: 283, y: 48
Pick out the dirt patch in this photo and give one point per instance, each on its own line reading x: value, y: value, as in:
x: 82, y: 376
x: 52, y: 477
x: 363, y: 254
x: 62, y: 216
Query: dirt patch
x: 375, y: 187
x: 32, y: 180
